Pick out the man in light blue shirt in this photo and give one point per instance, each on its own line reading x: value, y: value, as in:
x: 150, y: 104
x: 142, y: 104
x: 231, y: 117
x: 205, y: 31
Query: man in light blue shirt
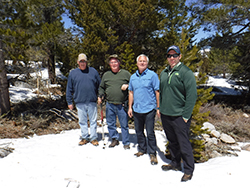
x: 143, y: 105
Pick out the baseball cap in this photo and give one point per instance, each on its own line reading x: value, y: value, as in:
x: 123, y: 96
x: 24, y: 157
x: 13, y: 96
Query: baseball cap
x: 114, y: 56
x: 175, y: 48
x: 82, y: 57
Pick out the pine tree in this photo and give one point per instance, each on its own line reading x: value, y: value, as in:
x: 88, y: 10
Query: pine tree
x: 114, y: 26
x: 230, y: 20
x: 49, y: 30
x: 189, y: 58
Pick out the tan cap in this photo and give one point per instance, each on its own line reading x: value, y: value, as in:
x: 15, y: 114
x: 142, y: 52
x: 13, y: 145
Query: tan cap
x: 82, y: 57
x: 114, y: 56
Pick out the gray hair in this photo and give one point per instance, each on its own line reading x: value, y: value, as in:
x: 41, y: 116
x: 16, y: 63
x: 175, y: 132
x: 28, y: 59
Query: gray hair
x: 142, y: 55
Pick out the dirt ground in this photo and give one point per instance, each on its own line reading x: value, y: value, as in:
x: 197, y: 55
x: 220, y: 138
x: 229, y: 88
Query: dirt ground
x: 38, y: 117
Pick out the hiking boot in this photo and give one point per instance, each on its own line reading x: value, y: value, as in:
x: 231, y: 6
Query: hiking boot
x: 114, y: 143
x: 186, y: 177
x: 170, y: 167
x: 126, y: 147
x: 83, y: 142
x: 138, y: 154
x: 153, y: 159
x: 94, y: 142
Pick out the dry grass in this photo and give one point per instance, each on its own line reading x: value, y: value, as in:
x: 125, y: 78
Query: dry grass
x: 230, y: 121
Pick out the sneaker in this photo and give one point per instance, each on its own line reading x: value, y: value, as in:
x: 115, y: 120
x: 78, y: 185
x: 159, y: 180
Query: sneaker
x: 153, y: 159
x: 138, y: 154
x: 170, y: 167
x: 114, y: 143
x: 83, y: 142
x: 126, y: 147
x: 95, y: 142
x: 186, y: 177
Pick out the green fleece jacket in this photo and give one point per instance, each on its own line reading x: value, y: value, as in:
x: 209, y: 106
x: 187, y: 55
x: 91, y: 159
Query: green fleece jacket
x: 178, y: 92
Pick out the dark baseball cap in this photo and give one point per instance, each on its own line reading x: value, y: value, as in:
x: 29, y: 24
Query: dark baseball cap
x: 175, y: 48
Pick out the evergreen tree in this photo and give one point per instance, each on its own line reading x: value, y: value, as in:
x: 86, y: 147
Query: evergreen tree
x: 4, y: 91
x: 222, y: 61
x: 49, y: 30
x: 114, y: 26
x: 5, y: 11
x: 143, y: 26
x: 230, y: 19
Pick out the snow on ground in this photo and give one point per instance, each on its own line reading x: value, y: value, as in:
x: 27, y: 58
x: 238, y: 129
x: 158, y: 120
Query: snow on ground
x: 56, y: 161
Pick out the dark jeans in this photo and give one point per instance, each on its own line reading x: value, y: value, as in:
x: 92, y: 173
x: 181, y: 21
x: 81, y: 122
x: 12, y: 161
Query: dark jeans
x: 177, y: 133
x: 147, y: 119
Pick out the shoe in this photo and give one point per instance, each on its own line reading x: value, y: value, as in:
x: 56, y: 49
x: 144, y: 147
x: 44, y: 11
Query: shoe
x: 83, y: 142
x: 186, y: 177
x: 170, y: 167
x: 114, y: 143
x: 126, y: 147
x: 94, y: 142
x: 153, y: 159
x: 138, y: 154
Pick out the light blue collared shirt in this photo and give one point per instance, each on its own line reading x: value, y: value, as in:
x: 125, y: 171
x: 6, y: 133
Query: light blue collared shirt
x: 144, y: 86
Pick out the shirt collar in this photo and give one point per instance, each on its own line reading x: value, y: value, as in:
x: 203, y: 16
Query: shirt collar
x: 144, y: 72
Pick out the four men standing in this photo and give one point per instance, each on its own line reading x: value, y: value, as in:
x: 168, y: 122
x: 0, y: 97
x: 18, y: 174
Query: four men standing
x: 172, y: 99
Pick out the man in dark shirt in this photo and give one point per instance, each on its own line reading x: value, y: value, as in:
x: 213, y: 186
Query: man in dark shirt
x: 82, y: 88
x: 114, y: 86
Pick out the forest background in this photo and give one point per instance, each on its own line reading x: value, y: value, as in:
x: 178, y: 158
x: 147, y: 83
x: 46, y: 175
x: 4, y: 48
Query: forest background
x: 33, y: 31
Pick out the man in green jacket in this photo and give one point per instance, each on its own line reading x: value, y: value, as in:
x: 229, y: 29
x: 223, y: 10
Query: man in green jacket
x: 177, y: 99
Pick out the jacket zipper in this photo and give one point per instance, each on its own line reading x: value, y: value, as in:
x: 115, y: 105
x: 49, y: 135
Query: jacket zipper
x: 170, y: 74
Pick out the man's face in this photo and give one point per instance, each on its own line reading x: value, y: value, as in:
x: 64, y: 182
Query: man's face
x: 114, y: 64
x: 142, y: 64
x: 82, y: 64
x: 173, y: 58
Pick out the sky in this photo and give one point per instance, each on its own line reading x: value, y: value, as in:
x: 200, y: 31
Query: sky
x: 56, y: 160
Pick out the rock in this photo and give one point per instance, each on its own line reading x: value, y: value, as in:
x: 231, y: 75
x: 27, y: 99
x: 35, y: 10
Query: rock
x: 205, y: 136
x: 208, y: 126
x: 5, y: 151
x: 215, y: 154
x: 245, y: 115
x: 227, y: 139
x: 246, y: 147
x: 215, y: 134
x: 212, y: 141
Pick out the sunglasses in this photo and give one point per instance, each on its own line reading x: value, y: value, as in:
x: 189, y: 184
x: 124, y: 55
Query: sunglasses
x: 172, y: 55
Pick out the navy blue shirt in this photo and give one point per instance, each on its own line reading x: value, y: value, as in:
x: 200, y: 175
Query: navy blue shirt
x: 144, y: 86
x: 82, y: 86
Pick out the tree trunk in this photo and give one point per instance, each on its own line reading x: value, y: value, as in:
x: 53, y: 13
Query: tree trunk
x: 4, y: 86
x: 52, y: 69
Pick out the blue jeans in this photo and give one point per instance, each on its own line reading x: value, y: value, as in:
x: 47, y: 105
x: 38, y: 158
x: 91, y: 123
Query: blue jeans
x: 86, y: 110
x: 112, y: 111
x: 148, y: 119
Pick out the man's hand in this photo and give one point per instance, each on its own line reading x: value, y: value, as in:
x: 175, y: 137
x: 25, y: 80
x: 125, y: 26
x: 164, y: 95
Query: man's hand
x: 158, y: 113
x: 99, y: 101
x: 124, y: 87
x: 130, y: 112
x: 71, y: 106
x: 185, y: 120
